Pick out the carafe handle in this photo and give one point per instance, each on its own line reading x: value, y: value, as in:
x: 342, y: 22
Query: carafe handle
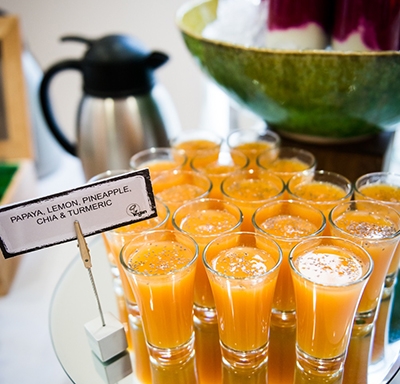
x: 46, y: 104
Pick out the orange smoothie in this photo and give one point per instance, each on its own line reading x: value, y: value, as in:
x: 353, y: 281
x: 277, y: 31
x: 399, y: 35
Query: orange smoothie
x: 203, y: 226
x: 325, y: 282
x: 217, y: 166
x: 165, y: 302
x: 287, y: 231
x: 253, y: 149
x: 174, y: 188
x: 249, y: 191
x: 322, y: 195
x: 389, y: 194
x: 376, y: 234
x: 195, y: 146
x: 157, y: 166
x: 243, y: 307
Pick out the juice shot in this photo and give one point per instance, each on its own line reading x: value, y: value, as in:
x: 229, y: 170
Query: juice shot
x: 287, y: 222
x: 289, y: 162
x: 252, y: 142
x: 158, y: 159
x: 161, y: 267
x: 375, y: 227
x: 219, y: 165
x: 329, y: 276
x: 243, y: 268
x: 204, y: 220
x: 175, y: 188
x: 195, y: 141
x: 383, y: 187
x: 249, y: 190
x: 321, y: 189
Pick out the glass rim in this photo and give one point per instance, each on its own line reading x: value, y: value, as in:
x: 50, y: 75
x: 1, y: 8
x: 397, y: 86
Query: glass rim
x: 336, y: 238
x: 206, y: 152
x: 307, y: 153
x: 204, y: 200
x: 228, y: 277
x: 252, y: 171
x: 289, y: 239
x: 321, y: 172
x: 377, y: 174
x: 185, y: 172
x: 263, y: 131
x: 191, y: 134
x: 155, y: 150
x: 109, y: 173
x: 151, y: 232
x: 373, y: 202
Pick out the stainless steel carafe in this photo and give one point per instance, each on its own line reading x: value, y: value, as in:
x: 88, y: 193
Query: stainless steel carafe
x: 122, y: 110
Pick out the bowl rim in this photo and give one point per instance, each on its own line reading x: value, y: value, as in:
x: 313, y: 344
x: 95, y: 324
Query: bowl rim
x: 190, y: 4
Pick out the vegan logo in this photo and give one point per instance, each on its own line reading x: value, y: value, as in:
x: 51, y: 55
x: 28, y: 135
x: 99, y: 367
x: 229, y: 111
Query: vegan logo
x: 134, y: 210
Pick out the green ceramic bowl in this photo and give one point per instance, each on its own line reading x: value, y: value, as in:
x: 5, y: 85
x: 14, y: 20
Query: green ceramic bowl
x: 313, y: 95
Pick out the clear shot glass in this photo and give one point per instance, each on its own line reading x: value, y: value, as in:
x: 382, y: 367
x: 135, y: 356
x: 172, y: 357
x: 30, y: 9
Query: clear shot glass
x: 205, y: 220
x: 243, y: 268
x: 329, y: 276
x: 161, y: 267
x: 287, y: 222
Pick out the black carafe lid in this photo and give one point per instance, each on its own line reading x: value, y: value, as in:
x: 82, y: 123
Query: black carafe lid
x: 117, y: 66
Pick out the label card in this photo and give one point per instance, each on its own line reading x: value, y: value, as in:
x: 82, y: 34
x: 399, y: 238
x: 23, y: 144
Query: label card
x: 98, y: 206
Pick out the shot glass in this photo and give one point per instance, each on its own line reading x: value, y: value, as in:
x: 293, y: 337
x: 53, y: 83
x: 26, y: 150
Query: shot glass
x: 252, y: 142
x: 116, y: 240
x: 196, y: 140
x: 287, y: 222
x: 321, y: 189
x: 383, y: 187
x: 158, y: 159
x: 329, y: 276
x: 204, y: 220
x: 249, y: 190
x: 289, y: 162
x: 219, y: 165
x: 175, y: 188
x: 243, y: 268
x: 375, y: 227
x: 161, y: 267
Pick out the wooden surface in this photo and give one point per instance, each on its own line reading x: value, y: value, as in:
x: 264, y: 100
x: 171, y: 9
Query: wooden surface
x: 350, y: 160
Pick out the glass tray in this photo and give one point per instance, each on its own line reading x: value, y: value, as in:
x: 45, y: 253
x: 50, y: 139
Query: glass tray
x: 73, y: 304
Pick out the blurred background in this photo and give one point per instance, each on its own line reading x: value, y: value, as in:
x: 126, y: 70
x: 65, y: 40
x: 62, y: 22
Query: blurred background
x: 44, y: 22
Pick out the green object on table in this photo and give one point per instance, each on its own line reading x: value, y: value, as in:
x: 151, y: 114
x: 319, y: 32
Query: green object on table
x: 394, y: 324
x: 7, y: 172
x: 313, y: 95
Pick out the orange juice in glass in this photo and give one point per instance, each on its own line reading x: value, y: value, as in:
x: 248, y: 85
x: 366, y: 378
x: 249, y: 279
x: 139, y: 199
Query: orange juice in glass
x: 174, y: 188
x: 219, y: 165
x: 204, y: 220
x: 252, y: 142
x: 158, y: 159
x: 287, y: 222
x: 195, y: 141
x: 116, y: 239
x: 243, y: 268
x: 289, y: 162
x: 375, y: 227
x: 329, y: 275
x: 161, y: 267
x: 322, y: 189
x: 249, y: 190
x: 385, y: 188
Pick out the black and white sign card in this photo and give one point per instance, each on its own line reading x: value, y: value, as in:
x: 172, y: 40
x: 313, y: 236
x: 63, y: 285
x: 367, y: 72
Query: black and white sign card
x: 98, y: 206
